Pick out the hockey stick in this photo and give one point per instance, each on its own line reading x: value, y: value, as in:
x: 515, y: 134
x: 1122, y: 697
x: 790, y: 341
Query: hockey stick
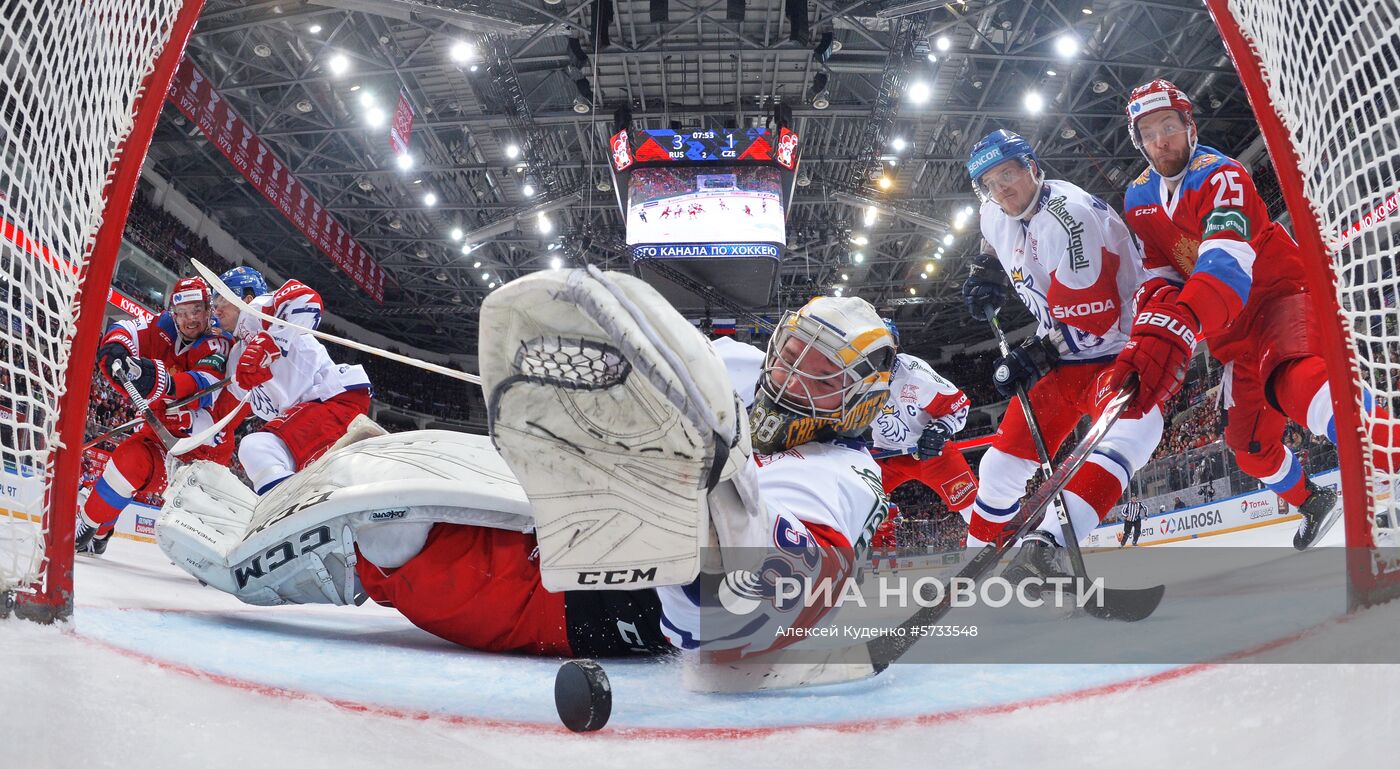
x: 1127, y: 604
x: 131, y: 424
x: 227, y: 295
x: 166, y: 439
x: 860, y: 661
x: 188, y: 444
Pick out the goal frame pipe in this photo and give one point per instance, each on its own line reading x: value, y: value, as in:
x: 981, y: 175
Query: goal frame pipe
x: 54, y: 598
x: 1338, y: 352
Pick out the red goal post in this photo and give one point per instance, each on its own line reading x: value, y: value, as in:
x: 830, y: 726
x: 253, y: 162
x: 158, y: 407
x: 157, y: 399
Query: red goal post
x: 82, y: 85
x: 1321, y: 80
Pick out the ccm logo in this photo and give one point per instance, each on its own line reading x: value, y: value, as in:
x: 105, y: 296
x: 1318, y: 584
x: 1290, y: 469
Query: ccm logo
x: 1150, y: 318
x: 617, y: 576
x: 1083, y: 309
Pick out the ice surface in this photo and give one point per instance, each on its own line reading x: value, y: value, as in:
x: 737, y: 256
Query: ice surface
x: 158, y: 671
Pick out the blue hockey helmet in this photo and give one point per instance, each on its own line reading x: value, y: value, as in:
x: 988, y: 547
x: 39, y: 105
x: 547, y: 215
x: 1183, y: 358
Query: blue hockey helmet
x: 994, y: 149
x: 244, y: 279
x: 893, y: 329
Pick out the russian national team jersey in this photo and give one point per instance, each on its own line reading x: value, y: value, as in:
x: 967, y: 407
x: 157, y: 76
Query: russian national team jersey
x: 1076, y: 266
x: 1215, y: 236
x: 822, y: 502
x: 205, y: 359
x: 305, y: 372
x: 918, y: 396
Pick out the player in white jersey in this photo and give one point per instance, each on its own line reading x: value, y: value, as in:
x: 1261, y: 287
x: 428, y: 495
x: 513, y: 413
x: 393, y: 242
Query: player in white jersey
x: 1076, y: 266
x: 288, y: 378
x: 923, y: 413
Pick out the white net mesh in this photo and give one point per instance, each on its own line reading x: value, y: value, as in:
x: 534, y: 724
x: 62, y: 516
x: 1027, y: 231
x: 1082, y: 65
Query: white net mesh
x: 1331, y: 70
x: 70, y: 78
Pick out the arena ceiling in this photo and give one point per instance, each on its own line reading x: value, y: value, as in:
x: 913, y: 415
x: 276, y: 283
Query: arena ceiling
x: 526, y: 106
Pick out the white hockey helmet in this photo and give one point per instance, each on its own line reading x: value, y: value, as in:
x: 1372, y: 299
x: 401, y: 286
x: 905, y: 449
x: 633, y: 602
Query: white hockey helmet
x: 827, y: 373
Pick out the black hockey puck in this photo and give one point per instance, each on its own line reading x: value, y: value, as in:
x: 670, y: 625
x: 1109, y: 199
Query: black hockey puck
x: 582, y: 695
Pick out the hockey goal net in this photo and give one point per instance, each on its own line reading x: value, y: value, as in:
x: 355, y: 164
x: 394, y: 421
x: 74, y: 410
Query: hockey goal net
x: 81, y: 87
x: 1321, y: 78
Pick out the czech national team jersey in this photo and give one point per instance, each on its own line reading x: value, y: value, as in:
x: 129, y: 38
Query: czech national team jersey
x: 822, y: 502
x: 1075, y: 265
x: 1215, y: 231
x: 305, y: 372
x: 918, y: 395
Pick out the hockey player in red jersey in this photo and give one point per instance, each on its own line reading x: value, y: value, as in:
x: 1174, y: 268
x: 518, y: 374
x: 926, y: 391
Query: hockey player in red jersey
x: 1222, y: 271
x: 1075, y: 265
x: 885, y: 543
x: 287, y: 379
x: 173, y: 356
x: 923, y: 413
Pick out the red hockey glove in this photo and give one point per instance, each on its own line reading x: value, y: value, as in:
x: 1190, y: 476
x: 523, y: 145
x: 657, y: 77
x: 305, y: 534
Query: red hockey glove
x: 1154, y: 291
x: 1163, y: 338
x: 255, y: 364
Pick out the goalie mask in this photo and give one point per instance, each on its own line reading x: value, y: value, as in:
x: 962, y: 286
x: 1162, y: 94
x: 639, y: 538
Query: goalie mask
x: 826, y: 374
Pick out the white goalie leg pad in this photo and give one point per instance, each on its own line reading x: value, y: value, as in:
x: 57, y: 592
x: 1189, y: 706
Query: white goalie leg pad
x: 297, y: 543
x: 617, y: 417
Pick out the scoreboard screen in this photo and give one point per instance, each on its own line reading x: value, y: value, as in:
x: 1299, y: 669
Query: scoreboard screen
x: 663, y: 146
x: 705, y: 211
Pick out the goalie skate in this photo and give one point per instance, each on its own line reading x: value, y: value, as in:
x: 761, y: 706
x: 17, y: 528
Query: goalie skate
x: 617, y: 418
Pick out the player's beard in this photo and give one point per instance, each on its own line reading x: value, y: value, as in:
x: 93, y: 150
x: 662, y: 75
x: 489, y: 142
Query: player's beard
x: 1172, y: 162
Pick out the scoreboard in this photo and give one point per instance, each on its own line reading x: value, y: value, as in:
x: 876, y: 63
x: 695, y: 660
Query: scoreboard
x: 663, y: 146
x: 709, y: 203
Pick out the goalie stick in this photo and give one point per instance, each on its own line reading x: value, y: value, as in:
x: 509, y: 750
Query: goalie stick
x: 864, y: 660
x: 232, y: 298
x: 132, y: 424
x: 1126, y: 604
x: 166, y: 439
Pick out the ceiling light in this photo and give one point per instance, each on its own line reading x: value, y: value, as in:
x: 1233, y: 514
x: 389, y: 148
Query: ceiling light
x: 943, y: 43
x: 491, y: 284
x: 1050, y: 72
x: 911, y: 292
x: 485, y: 275
x: 461, y: 51
x: 476, y: 265
x: 1100, y: 86
x: 375, y: 117
x: 898, y: 143
x: 885, y: 182
x: 1087, y: 11
x: 870, y: 215
x: 845, y: 277
x: 366, y: 99
x: 512, y: 151
x: 545, y: 225
x: 314, y: 29
x: 456, y: 233
x: 932, y: 58
x: 860, y: 240
x: 1034, y: 102
x: 858, y: 257
x: 928, y: 267
x: 918, y: 92
x: 430, y: 200
x: 948, y: 239
x: 838, y: 290
x: 262, y: 50
x: 1067, y: 45
x: 339, y: 64
x: 967, y: 211
x: 556, y: 263
x: 473, y: 68
x: 528, y: 189
x: 404, y: 161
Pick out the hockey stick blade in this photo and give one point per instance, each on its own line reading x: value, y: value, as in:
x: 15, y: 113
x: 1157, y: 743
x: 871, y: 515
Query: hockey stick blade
x: 232, y: 298
x: 1127, y: 604
x: 186, y: 445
